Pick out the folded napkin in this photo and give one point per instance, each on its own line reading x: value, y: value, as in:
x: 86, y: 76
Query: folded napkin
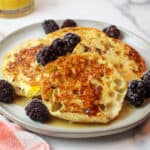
x: 13, y: 137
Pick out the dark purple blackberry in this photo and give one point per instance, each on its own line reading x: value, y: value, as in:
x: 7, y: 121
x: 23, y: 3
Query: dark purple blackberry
x: 50, y: 26
x: 7, y: 92
x: 146, y: 79
x: 136, y: 92
x: 63, y: 46
x: 50, y: 53
x: 59, y: 47
x: 37, y: 111
x: 112, y: 31
x: 72, y: 39
x: 45, y: 55
x: 146, y: 76
x: 69, y: 23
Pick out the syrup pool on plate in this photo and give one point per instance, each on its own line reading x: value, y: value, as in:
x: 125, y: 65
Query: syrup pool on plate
x: 126, y: 111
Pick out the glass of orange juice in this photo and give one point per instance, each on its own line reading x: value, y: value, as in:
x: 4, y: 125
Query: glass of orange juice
x: 15, y: 8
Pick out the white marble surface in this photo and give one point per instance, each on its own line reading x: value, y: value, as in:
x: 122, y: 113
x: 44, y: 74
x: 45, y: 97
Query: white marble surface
x: 131, y: 14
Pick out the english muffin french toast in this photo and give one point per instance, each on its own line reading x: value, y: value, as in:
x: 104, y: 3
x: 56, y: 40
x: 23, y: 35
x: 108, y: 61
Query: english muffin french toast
x: 83, y: 88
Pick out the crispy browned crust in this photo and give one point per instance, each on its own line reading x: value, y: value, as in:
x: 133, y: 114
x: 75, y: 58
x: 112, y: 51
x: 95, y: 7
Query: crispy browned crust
x: 23, y: 64
x: 72, y: 69
x: 135, y: 56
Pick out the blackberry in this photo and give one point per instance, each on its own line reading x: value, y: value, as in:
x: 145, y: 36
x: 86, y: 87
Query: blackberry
x: 59, y: 47
x: 112, y: 31
x: 37, y: 111
x: 7, y: 92
x: 50, y: 26
x: 72, y: 39
x: 136, y: 92
x: 45, y: 55
x: 146, y: 79
x: 69, y: 23
x: 146, y: 76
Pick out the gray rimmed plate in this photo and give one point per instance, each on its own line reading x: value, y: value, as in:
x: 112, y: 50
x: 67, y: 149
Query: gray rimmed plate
x: 127, y: 120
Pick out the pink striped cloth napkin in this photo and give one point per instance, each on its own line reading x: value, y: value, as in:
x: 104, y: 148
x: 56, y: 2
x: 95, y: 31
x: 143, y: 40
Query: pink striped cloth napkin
x: 13, y: 137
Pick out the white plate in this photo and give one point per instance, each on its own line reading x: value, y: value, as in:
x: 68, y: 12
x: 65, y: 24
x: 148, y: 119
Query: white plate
x: 17, y: 113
